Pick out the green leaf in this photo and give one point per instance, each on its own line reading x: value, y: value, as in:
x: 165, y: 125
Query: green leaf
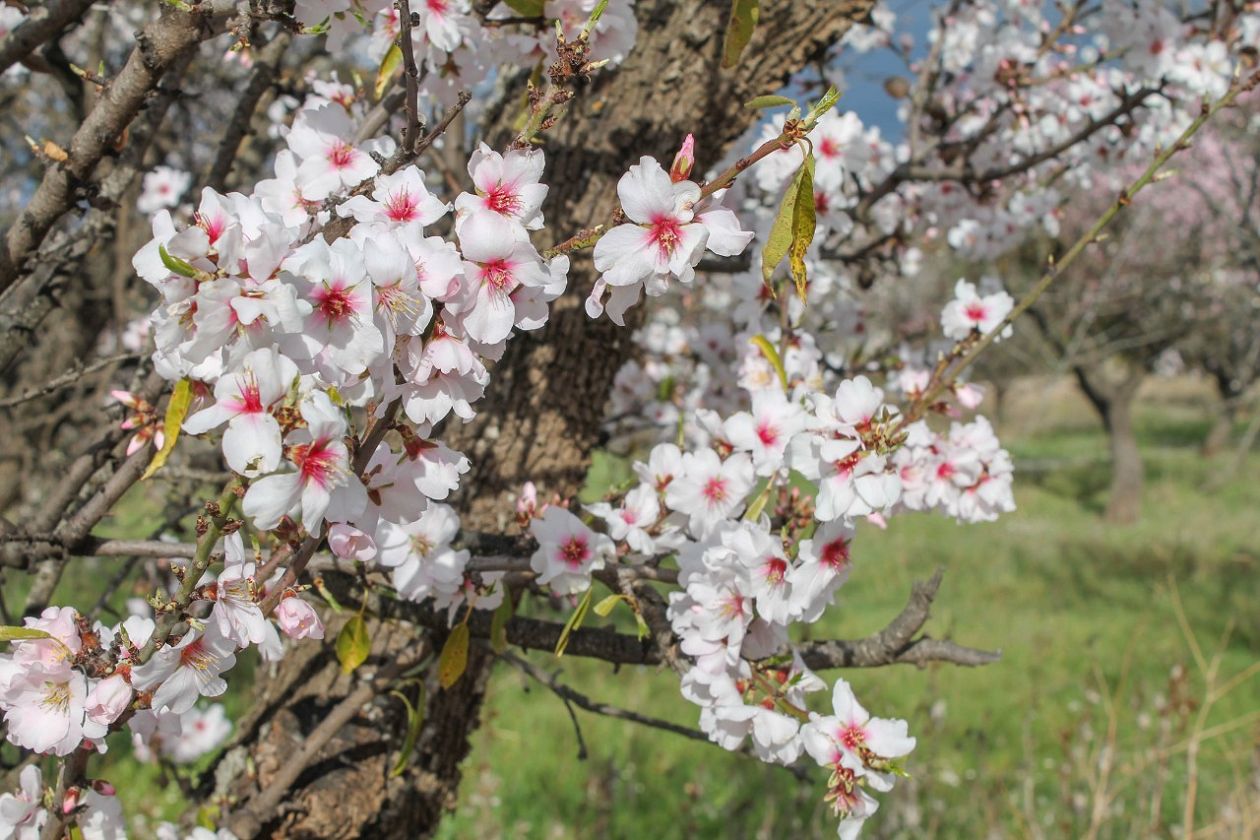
x: 759, y: 504
x: 574, y: 622
x: 175, y: 265
x: 176, y: 411
x: 593, y: 20
x: 739, y: 31
x: 828, y: 101
x: 768, y: 101
x: 21, y: 634
x: 772, y: 356
x: 604, y: 607
x: 353, y: 644
x: 454, y: 657
x: 641, y: 623
x: 389, y: 66
x: 804, y: 222
x: 526, y: 8
x: 498, y: 625
x: 415, y: 719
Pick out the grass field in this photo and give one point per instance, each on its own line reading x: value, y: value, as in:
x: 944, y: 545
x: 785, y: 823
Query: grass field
x: 1082, y: 726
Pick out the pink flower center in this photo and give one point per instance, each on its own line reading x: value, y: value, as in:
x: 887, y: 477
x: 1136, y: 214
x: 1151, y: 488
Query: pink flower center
x: 629, y: 516
x: 317, y: 462
x: 665, y: 234
x: 835, y: 554
x: 715, y: 490
x: 945, y: 471
x: 574, y: 552
x: 498, y: 274
x: 767, y: 433
x: 341, y: 155
x: 852, y: 737
x: 213, y: 227
x: 400, y: 208
x: 336, y: 303
x: 845, y: 466
x: 438, y: 7
x: 250, y: 401
x: 503, y: 199
x: 775, y: 570
x: 828, y: 148
x: 975, y: 312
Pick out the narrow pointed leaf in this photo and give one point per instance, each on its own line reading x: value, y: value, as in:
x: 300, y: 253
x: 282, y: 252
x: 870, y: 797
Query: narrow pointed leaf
x: 739, y: 31
x: 21, y: 634
x: 574, y: 622
x: 804, y: 222
x: 389, y: 66
x: 175, y: 265
x: 498, y: 625
x: 768, y: 101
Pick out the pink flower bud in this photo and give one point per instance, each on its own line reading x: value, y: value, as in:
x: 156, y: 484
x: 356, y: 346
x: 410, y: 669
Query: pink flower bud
x: 350, y: 543
x: 71, y: 801
x: 104, y: 788
x: 108, y: 699
x: 299, y: 620
x: 680, y: 169
x: 527, y: 502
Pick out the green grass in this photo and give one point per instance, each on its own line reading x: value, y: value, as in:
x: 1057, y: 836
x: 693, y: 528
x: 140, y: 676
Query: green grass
x: 1078, y: 607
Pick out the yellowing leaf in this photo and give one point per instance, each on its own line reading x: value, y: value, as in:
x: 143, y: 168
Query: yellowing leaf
x: 454, y: 657
x: 739, y: 31
x: 772, y: 356
x: 498, y: 625
x: 176, y: 411
x: 353, y: 644
x: 804, y: 222
x: 604, y: 607
x: 793, y: 227
x: 389, y: 66
x: 828, y: 101
x: 19, y: 634
x: 574, y: 622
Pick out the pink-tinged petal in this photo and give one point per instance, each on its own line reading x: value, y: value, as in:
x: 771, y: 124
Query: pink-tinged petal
x: 646, y: 191
x: 690, y: 247
x: 625, y: 255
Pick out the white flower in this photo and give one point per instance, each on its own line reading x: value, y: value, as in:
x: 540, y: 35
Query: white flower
x: 568, y: 551
x: 710, y: 489
x: 178, y: 675
x: 970, y: 311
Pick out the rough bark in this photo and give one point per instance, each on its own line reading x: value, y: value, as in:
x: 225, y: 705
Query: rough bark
x: 542, y: 416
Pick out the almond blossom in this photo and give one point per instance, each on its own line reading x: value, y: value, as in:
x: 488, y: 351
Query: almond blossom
x: 568, y: 551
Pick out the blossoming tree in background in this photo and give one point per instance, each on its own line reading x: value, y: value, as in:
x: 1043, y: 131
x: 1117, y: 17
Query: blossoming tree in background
x: 397, y: 316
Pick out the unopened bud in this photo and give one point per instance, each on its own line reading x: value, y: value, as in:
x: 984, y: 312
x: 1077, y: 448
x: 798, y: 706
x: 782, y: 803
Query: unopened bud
x: 71, y: 801
x: 680, y: 169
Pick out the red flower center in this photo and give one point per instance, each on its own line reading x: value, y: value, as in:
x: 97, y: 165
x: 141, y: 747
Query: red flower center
x: 503, y: 199
x: 335, y: 303
x: 715, y: 490
x: 574, y: 552
x: 975, y: 312
x: 341, y: 155
x: 316, y: 462
x: 835, y: 554
x: 665, y: 234
x: 498, y: 274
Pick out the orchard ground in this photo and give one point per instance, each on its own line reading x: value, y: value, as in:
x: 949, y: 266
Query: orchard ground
x: 1085, y: 721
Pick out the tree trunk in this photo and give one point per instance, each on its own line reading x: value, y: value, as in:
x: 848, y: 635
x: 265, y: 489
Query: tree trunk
x: 1124, y: 497
x: 1218, y: 435
x: 542, y: 416
x: 1114, y: 403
